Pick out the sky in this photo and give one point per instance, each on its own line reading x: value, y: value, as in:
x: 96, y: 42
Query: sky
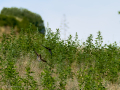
x: 82, y: 16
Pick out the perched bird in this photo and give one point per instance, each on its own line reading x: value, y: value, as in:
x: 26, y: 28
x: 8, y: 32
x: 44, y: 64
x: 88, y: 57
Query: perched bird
x: 39, y: 58
x: 48, y: 49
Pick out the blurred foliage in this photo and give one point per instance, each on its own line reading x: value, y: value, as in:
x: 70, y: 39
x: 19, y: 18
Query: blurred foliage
x: 27, y: 16
x: 90, y: 64
x: 8, y: 21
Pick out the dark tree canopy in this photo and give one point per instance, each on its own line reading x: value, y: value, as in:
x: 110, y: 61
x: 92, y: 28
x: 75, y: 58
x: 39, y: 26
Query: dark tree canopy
x: 8, y: 20
x: 31, y: 17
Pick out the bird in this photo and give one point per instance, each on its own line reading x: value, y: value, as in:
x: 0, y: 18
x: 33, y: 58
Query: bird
x: 39, y: 58
x: 48, y: 49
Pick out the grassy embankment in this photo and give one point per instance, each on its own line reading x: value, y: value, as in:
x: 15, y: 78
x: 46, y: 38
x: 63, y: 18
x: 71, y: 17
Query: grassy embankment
x: 93, y: 67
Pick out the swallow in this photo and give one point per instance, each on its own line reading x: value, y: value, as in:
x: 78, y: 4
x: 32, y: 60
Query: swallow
x: 39, y: 58
x: 48, y: 49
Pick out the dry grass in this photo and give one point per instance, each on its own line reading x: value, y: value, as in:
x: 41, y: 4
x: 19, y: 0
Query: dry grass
x: 72, y: 84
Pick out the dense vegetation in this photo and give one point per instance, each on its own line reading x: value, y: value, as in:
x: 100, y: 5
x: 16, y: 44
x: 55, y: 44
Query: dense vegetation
x: 27, y: 16
x: 89, y: 67
x: 12, y: 22
x: 5, y: 20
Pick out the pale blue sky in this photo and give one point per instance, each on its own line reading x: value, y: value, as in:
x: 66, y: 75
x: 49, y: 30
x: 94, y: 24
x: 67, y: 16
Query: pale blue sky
x: 83, y: 16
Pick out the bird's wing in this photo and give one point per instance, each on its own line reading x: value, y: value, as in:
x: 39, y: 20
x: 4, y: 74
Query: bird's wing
x: 43, y: 60
x: 36, y: 53
x: 46, y: 47
x: 40, y: 56
x: 50, y: 52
